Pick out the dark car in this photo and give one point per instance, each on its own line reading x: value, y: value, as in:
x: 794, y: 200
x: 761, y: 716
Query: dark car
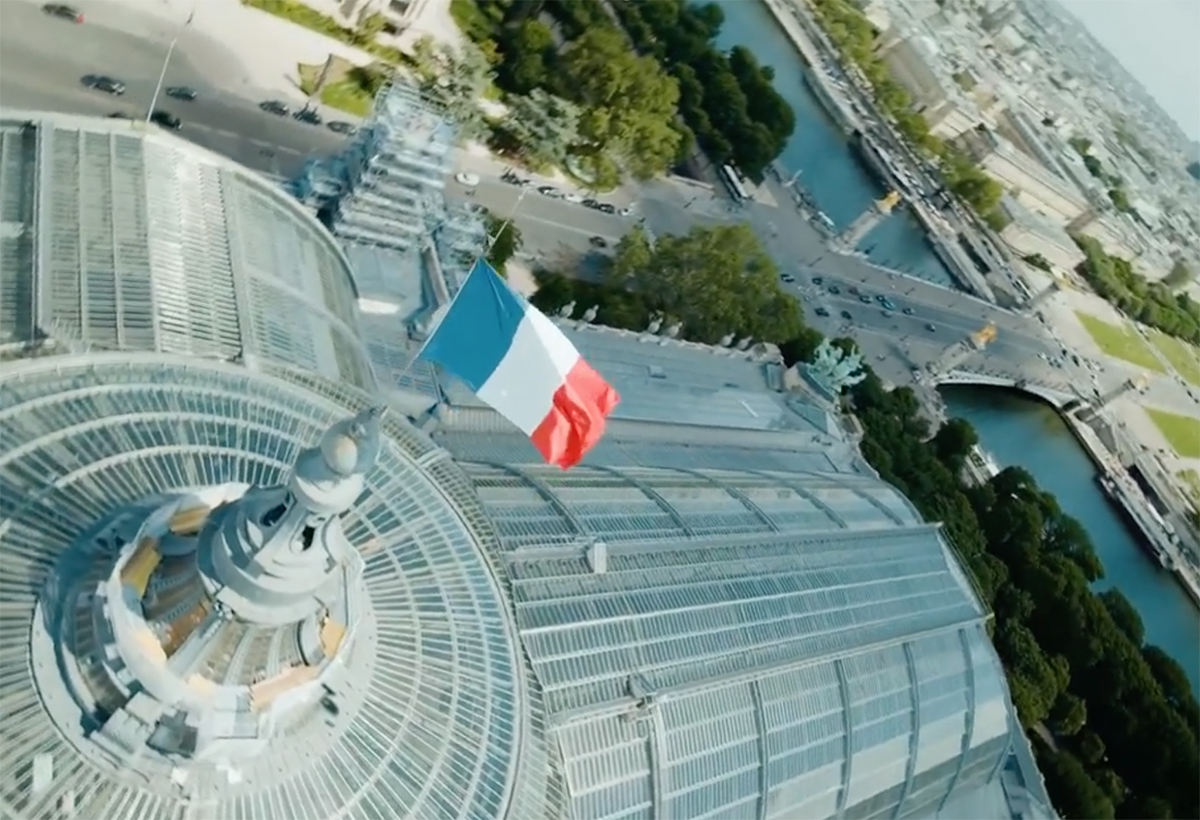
x: 102, y: 83
x: 835, y: 290
x: 846, y: 315
x: 822, y: 311
x: 591, y: 203
x: 166, y: 119
x: 854, y: 289
x: 606, y: 208
x: 119, y: 115
x: 865, y: 299
x: 788, y: 278
x: 275, y: 107
x: 307, y: 115
x: 340, y: 127
x: 598, y: 242
x: 816, y: 280
x: 61, y: 10
x: 182, y: 92
x: 888, y: 304
x: 907, y: 311
x: 881, y: 299
x: 930, y: 326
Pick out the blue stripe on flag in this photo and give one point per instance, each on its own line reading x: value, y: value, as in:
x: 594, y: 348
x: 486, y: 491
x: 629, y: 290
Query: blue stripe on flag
x: 478, y: 329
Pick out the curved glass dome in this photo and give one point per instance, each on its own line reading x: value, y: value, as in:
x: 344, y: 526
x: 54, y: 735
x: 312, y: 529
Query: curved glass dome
x: 429, y: 726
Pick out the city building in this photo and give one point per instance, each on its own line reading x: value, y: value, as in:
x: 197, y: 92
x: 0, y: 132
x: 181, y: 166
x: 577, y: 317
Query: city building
x: 916, y: 64
x: 249, y: 586
x: 1032, y: 184
x: 398, y: 16
x: 1028, y: 233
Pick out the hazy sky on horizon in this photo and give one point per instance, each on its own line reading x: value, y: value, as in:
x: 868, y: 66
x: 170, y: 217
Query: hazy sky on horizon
x: 1157, y: 42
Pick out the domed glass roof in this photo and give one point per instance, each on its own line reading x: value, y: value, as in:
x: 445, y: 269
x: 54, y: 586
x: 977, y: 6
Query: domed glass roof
x: 429, y: 719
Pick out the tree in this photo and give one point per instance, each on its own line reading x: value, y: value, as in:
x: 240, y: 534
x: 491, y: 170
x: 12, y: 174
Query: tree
x: 1124, y: 615
x: 1120, y: 199
x: 546, y: 126
x: 1068, y: 715
x: 715, y: 280
x: 953, y: 442
x: 1094, y: 166
x: 458, y: 83
x: 630, y: 103
x: 1076, y: 796
x: 506, y: 240
x: 528, y: 49
x: 1179, y: 276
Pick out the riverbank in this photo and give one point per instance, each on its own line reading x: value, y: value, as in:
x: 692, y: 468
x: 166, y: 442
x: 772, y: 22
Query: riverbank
x: 1156, y: 537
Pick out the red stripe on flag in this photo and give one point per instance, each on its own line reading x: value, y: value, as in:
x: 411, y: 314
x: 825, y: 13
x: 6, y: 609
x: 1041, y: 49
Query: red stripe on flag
x: 576, y: 418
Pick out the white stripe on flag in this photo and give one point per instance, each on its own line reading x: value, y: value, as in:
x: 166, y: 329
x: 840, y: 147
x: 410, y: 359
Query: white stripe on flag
x: 522, y: 386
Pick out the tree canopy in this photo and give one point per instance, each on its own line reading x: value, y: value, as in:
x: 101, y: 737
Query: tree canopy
x: 1179, y: 276
x: 1151, y: 303
x: 544, y: 126
x: 629, y: 102
x: 1122, y: 714
x: 715, y: 280
x: 505, y: 240
x: 727, y: 101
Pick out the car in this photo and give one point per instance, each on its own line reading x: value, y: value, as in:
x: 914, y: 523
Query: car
x: 907, y: 311
x: 887, y: 314
x: 887, y: 304
x: 627, y: 211
x: 102, y: 83
x: 166, y: 119
x: 590, y: 203
x: 575, y: 199
x: 182, y: 92
x: 821, y: 311
x: 865, y: 299
x: 550, y: 191
x: 469, y: 180
x: 606, y: 208
x: 119, y: 115
x: 62, y: 10
x: 308, y: 115
x: 853, y: 289
x: 816, y: 280
x: 340, y: 127
x: 275, y: 107
x: 930, y: 326
x: 598, y: 242
x: 880, y: 298
x: 846, y: 315
x: 835, y: 290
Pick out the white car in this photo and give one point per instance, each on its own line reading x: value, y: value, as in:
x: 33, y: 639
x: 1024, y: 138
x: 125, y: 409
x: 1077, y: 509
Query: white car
x: 627, y: 212
x: 469, y: 180
x: 575, y: 198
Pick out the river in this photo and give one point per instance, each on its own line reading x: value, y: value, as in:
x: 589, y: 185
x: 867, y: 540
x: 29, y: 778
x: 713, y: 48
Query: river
x: 842, y: 187
x: 1016, y: 431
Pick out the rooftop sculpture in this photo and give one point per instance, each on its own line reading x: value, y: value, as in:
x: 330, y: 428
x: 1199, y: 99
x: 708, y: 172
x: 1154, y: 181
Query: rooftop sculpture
x: 835, y: 370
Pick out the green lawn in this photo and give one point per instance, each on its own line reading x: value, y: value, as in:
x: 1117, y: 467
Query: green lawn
x: 1183, y: 357
x: 1120, y: 341
x: 1181, y: 432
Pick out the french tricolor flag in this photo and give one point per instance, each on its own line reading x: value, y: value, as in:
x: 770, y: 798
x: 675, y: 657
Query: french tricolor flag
x: 520, y: 363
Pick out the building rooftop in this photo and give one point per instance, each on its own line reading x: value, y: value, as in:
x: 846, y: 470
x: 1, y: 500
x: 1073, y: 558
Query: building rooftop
x: 719, y: 614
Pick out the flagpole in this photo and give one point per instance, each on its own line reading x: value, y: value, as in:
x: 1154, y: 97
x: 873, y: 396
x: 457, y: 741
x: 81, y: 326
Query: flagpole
x: 444, y: 313
x: 162, y: 75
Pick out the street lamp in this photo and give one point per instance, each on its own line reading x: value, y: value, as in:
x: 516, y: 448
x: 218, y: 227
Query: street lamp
x: 162, y: 75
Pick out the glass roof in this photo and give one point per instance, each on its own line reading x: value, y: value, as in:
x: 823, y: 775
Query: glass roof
x: 436, y: 729
x: 146, y: 242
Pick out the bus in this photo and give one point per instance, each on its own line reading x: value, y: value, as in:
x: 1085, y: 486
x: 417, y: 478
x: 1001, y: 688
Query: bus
x: 733, y: 182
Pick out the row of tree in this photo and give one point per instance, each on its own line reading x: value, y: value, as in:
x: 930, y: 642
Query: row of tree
x: 1121, y: 715
x: 1151, y: 303
x: 854, y: 36
x: 727, y: 100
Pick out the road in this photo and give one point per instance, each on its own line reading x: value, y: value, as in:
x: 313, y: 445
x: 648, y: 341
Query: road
x: 42, y: 59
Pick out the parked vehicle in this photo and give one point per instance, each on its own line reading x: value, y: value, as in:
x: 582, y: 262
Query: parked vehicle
x: 550, y: 191
x: 102, y: 83
x: 275, y: 107
x: 182, y: 92
x: 606, y: 208
x: 166, y: 119
x: 821, y: 311
x: 598, y: 242
x: 308, y: 115
x: 62, y: 10
x: 340, y: 127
